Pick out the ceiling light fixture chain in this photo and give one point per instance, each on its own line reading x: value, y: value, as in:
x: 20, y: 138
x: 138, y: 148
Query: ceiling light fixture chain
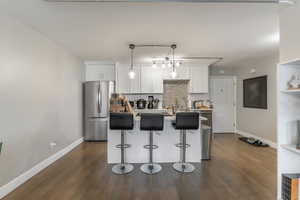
x: 173, y: 47
x: 131, y: 71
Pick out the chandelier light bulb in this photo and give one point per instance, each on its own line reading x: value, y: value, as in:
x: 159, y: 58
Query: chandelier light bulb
x: 131, y: 74
x: 170, y: 64
x: 163, y: 65
x: 178, y: 64
x: 173, y: 74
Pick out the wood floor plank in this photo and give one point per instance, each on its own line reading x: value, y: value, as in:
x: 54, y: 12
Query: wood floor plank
x: 237, y: 171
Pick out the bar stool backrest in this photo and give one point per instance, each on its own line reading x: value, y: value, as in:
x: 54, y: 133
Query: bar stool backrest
x: 187, y: 120
x: 152, y: 122
x: 121, y: 121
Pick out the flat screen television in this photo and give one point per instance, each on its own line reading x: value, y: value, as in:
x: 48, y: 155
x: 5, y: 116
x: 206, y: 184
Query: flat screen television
x: 255, y: 92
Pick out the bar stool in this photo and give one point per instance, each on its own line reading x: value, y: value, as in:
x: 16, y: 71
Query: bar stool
x: 122, y: 121
x: 185, y: 121
x: 151, y: 122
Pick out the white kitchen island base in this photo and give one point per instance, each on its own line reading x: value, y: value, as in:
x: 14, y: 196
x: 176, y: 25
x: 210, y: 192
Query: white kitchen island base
x: 167, y: 151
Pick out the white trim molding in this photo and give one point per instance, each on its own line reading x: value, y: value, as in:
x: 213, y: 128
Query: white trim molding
x: 15, y: 183
x: 269, y: 142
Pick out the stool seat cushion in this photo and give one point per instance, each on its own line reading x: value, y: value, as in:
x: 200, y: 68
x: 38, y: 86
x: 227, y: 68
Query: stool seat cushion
x: 152, y: 122
x: 187, y: 120
x: 121, y: 121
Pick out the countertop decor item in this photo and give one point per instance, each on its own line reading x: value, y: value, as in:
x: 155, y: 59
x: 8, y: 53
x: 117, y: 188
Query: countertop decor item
x: 294, y: 83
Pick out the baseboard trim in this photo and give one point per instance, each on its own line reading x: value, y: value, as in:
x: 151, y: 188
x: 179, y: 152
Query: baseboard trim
x: 246, y: 134
x: 15, y: 183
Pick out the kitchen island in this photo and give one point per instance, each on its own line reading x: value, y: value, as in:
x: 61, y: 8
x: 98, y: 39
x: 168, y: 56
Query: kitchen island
x: 166, y: 140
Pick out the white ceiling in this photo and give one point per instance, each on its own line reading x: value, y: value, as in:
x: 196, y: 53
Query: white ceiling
x: 102, y: 31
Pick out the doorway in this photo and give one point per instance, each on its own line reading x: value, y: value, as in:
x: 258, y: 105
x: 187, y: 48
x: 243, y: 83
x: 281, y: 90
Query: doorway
x: 223, y: 95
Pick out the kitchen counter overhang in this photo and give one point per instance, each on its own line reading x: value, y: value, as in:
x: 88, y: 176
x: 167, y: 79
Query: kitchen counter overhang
x: 166, y: 140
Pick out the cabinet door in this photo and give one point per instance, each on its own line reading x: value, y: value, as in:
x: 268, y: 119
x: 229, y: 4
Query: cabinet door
x: 151, y: 80
x: 167, y: 73
x: 157, y: 79
x: 123, y: 81
x: 135, y: 84
x: 199, y: 79
x: 183, y: 72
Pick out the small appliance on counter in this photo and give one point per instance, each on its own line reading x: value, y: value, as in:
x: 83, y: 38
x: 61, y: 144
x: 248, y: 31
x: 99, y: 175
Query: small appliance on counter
x: 150, y: 102
x: 141, y: 104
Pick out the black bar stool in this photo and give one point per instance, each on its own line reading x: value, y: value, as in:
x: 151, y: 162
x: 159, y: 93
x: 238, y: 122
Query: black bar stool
x: 151, y: 122
x: 185, y: 121
x: 122, y: 121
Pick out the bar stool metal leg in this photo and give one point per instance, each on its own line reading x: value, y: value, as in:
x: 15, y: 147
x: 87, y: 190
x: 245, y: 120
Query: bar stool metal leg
x: 183, y: 166
x: 122, y: 168
x: 151, y: 168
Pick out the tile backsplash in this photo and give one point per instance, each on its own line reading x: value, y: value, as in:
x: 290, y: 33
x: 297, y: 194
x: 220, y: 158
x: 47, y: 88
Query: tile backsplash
x: 169, y: 97
x: 176, y: 93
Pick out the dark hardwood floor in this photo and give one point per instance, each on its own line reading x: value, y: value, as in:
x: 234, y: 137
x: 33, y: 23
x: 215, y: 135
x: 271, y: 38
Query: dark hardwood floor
x: 236, y: 171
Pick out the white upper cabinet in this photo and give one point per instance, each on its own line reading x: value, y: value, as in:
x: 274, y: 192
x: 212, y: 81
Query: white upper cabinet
x: 126, y: 85
x: 183, y: 73
x: 96, y: 71
x: 135, y: 84
x: 199, y: 79
x: 151, y: 80
x: 123, y: 81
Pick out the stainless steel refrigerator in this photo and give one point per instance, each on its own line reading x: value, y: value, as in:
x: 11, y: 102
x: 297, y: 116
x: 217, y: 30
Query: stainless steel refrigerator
x: 96, y: 109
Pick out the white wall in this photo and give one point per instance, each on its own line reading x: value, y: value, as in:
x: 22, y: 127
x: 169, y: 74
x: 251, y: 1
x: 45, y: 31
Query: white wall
x: 259, y: 122
x: 220, y: 71
x: 289, y: 32
x: 40, y: 98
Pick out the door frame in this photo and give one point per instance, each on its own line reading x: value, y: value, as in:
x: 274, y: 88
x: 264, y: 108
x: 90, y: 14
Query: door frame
x: 234, y: 95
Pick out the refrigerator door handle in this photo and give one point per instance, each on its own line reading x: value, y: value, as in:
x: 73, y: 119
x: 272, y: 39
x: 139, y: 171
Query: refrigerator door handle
x: 98, y: 96
x: 95, y: 117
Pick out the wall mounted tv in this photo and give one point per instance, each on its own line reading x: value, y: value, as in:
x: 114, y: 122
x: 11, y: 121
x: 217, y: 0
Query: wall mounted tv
x: 255, y: 92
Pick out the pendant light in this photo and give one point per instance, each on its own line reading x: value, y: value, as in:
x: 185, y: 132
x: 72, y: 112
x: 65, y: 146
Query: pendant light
x: 154, y: 65
x: 173, y: 73
x: 131, y: 73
